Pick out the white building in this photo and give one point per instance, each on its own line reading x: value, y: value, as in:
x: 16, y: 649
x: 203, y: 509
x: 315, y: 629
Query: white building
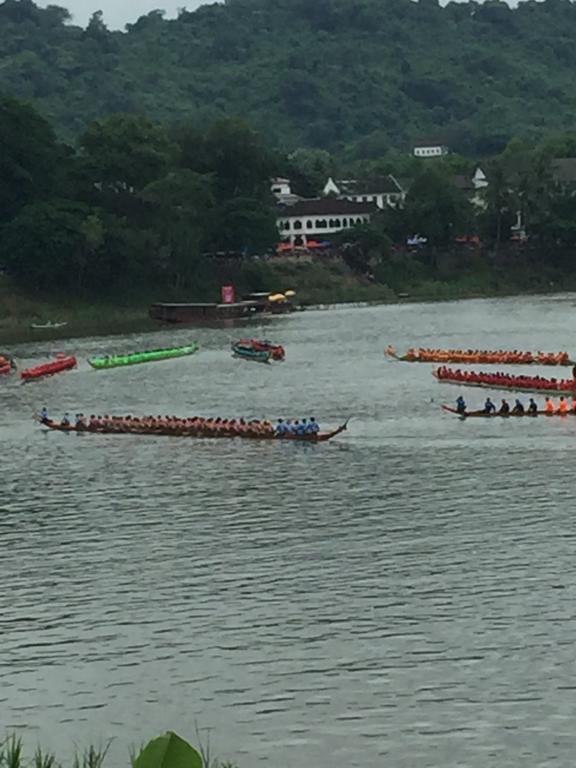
x: 316, y: 219
x: 382, y: 190
x: 429, y: 148
x: 280, y: 187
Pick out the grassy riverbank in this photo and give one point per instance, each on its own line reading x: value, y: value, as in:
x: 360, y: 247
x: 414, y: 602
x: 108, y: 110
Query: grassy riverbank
x: 314, y: 283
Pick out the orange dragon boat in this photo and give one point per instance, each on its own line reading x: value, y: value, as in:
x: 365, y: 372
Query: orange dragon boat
x: 483, y: 357
x: 523, y: 383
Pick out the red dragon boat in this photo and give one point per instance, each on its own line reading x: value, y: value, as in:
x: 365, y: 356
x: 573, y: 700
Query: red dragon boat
x: 522, y: 383
x: 480, y: 357
x: 7, y: 365
x: 277, y: 351
x: 61, y: 363
x: 119, y: 426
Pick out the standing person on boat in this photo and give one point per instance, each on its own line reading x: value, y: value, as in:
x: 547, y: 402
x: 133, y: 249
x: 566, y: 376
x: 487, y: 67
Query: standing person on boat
x: 532, y: 407
x: 518, y: 409
x: 504, y: 408
x: 549, y: 406
x: 489, y: 406
x: 461, y: 405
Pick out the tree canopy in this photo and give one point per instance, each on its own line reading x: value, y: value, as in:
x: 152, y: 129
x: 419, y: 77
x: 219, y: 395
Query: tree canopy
x: 343, y: 75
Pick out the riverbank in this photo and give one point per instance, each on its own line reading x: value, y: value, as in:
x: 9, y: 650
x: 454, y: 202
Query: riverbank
x: 316, y: 284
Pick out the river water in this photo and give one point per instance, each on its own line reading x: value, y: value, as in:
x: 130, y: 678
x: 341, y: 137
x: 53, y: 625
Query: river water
x: 404, y: 595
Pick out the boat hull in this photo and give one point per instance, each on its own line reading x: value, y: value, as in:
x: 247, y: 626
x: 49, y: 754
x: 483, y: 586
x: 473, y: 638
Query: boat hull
x: 479, y: 360
x: 49, y: 369
x: 320, y: 437
x: 484, y: 415
x: 149, y: 356
x: 511, y: 387
x: 245, y: 353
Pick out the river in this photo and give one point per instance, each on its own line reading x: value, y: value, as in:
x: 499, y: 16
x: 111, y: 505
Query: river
x: 404, y: 595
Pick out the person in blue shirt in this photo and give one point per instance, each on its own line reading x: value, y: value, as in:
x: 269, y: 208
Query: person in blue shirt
x: 281, y: 427
x: 298, y: 428
x: 313, y: 427
x: 461, y: 405
x: 489, y: 406
x: 44, y: 414
x: 66, y: 420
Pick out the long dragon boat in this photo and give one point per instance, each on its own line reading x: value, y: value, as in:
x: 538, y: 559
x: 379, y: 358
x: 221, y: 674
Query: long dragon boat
x: 496, y: 415
x: 485, y: 357
x: 506, y: 381
x: 103, y: 362
x: 183, y: 431
x: 60, y: 364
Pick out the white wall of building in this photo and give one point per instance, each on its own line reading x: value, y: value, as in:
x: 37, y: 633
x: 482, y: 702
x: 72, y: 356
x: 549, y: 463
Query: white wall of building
x: 315, y: 227
x: 432, y: 151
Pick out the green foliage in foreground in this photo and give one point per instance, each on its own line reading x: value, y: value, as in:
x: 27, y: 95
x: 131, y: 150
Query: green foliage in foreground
x: 354, y: 75
x: 166, y: 751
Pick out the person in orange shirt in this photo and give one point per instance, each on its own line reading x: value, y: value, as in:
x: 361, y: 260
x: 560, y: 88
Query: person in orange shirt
x: 549, y: 407
x: 563, y: 406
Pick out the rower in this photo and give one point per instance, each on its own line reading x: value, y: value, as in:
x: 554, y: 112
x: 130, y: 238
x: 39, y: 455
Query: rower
x: 549, y: 407
x: 66, y: 420
x: 461, y: 405
x: 312, y: 428
x: 518, y: 408
x: 504, y: 408
x: 532, y: 407
x: 489, y: 406
x: 563, y: 406
x: 281, y: 427
x: 44, y: 415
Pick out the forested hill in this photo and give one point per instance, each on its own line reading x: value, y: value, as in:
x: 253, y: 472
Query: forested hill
x: 364, y: 75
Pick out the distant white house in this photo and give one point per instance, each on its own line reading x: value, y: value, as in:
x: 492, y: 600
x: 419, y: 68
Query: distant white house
x: 383, y: 191
x: 280, y: 187
x: 472, y: 186
x: 317, y: 218
x: 429, y: 148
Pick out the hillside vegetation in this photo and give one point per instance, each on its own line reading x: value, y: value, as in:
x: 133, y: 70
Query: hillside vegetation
x: 352, y: 76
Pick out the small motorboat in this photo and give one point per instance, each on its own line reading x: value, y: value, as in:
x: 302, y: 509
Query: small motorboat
x: 248, y: 353
x: 277, y: 351
x: 49, y: 326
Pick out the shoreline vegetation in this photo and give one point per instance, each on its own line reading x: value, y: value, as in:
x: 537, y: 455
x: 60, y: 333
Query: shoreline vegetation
x: 317, y: 286
x: 166, y: 751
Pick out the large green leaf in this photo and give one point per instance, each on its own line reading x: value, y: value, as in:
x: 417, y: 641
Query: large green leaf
x: 168, y: 751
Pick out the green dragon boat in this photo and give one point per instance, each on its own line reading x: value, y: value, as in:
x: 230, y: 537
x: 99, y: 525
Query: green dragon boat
x: 147, y: 356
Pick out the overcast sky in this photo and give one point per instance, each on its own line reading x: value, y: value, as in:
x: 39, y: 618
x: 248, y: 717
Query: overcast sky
x: 119, y: 12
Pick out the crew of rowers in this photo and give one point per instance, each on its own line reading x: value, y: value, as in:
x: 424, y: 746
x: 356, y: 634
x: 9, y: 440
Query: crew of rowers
x: 504, y: 379
x: 484, y: 356
x: 518, y: 409
x: 195, y: 425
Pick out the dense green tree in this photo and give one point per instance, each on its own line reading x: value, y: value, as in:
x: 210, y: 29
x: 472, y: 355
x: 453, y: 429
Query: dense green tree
x: 183, y: 210
x: 32, y: 164
x: 124, y: 153
x: 367, y: 74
